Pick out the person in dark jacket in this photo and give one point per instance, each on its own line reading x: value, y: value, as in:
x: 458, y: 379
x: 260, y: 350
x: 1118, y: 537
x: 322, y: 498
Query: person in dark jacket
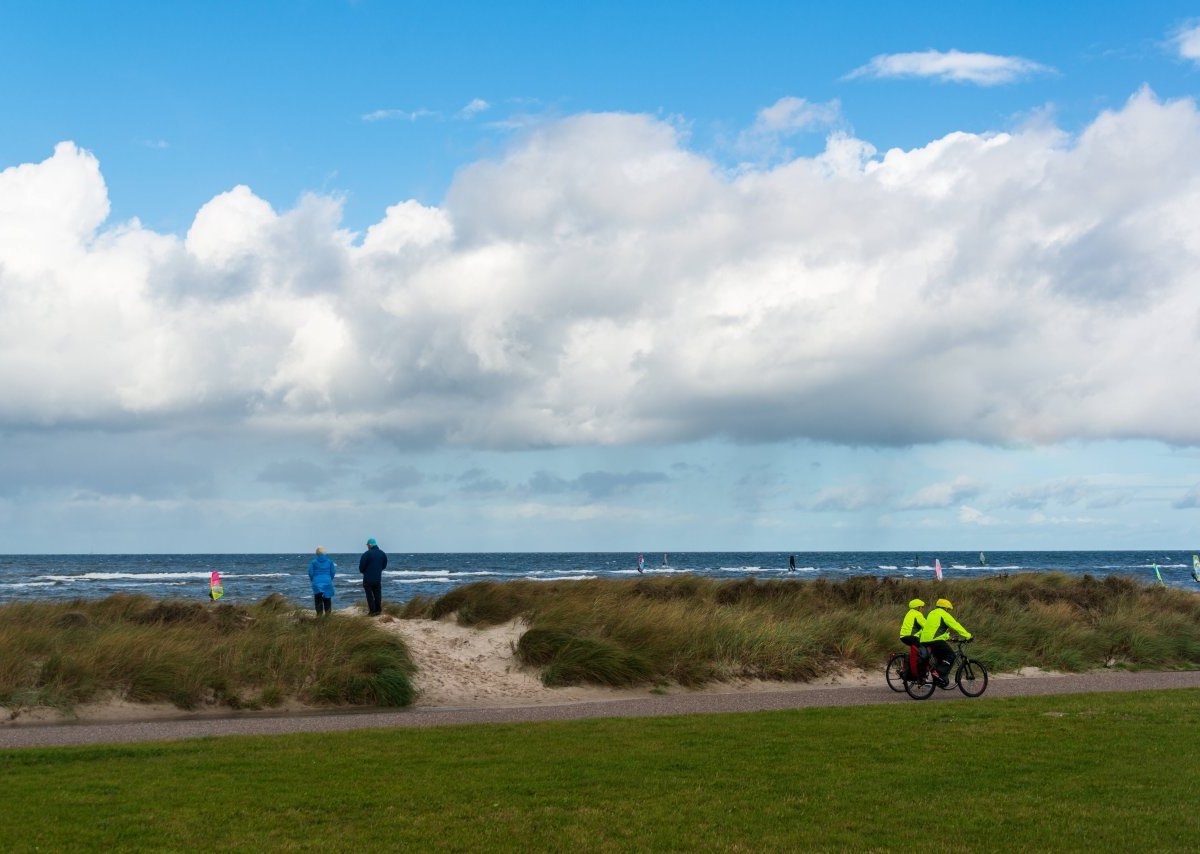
x: 321, y: 572
x: 371, y: 565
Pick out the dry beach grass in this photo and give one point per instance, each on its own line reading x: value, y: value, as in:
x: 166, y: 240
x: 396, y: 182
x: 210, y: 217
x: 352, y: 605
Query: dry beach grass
x: 134, y: 649
x: 692, y: 631
x: 519, y: 643
x: 480, y: 666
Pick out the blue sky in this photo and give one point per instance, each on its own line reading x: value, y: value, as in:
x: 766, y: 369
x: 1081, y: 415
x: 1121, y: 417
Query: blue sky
x: 630, y: 277
x: 180, y: 101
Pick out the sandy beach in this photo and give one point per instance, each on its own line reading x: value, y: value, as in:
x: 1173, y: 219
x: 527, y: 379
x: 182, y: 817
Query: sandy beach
x: 460, y: 666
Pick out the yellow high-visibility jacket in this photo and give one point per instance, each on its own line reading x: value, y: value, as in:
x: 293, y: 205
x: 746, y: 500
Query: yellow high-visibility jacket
x: 938, y: 624
x: 914, y: 621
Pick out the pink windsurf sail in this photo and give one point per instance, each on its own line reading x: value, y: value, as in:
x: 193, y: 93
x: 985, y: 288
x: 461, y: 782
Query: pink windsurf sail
x: 215, y: 589
x: 937, y: 569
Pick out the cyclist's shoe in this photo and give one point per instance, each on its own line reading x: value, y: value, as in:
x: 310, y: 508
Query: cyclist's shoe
x: 942, y: 681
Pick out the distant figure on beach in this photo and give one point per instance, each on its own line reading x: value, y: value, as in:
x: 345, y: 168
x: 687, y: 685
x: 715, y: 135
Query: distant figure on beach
x: 321, y: 572
x: 371, y: 565
x: 935, y: 634
x: 791, y: 563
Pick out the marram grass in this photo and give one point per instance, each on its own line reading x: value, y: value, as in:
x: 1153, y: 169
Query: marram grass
x: 191, y: 654
x: 693, y: 630
x: 687, y: 630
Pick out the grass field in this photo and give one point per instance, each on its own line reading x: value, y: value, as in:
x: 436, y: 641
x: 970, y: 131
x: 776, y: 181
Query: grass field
x: 1085, y: 772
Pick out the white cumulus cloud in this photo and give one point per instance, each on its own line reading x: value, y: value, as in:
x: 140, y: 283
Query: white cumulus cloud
x: 392, y: 114
x: 1187, y: 42
x: 474, y: 108
x: 939, y: 495
x: 784, y: 118
x: 601, y: 283
x: 971, y: 516
x: 1190, y: 498
x: 791, y: 114
x: 956, y: 66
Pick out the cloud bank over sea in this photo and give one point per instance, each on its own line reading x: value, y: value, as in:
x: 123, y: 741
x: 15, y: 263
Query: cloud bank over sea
x: 600, y: 283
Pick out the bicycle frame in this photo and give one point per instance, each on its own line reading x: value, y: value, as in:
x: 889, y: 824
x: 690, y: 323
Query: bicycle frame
x: 924, y: 685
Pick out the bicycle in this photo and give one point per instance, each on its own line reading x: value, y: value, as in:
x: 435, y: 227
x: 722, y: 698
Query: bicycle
x: 970, y: 677
x: 897, y: 667
x: 895, y: 670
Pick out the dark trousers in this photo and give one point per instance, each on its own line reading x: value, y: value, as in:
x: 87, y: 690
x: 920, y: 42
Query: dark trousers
x: 943, y: 656
x: 324, y: 603
x: 374, y: 591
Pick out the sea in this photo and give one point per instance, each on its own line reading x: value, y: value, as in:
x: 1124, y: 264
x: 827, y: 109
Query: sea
x: 248, y: 578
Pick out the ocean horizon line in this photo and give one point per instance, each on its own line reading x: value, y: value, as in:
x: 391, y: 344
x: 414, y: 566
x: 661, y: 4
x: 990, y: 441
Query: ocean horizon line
x: 915, y: 551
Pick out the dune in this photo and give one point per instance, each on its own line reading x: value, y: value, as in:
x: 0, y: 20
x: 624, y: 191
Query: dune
x: 462, y: 666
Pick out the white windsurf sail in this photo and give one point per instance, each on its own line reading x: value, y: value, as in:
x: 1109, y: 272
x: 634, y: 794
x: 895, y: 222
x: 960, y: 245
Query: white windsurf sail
x: 937, y: 569
x: 1196, y: 567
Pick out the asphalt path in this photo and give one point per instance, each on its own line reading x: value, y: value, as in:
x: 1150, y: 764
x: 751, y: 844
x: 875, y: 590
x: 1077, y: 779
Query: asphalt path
x: 75, y: 733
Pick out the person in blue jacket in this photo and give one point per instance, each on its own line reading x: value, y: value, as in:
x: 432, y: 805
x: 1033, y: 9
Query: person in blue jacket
x: 321, y: 572
x: 371, y: 565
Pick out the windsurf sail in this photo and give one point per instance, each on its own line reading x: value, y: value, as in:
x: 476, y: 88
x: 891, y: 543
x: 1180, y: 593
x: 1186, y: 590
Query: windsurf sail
x: 937, y: 569
x: 982, y: 559
x: 1159, y: 574
x: 1196, y: 567
x: 664, y: 558
x: 215, y: 589
x: 641, y: 563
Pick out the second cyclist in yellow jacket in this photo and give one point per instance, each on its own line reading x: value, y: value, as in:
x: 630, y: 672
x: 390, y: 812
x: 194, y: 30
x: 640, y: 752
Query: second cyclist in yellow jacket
x: 938, y: 624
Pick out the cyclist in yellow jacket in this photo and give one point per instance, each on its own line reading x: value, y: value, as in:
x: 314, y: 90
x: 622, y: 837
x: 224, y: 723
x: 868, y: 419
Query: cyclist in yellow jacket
x: 910, y: 627
x: 938, y: 624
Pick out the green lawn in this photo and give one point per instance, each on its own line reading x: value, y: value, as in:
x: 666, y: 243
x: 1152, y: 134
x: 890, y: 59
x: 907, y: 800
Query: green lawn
x: 1088, y: 772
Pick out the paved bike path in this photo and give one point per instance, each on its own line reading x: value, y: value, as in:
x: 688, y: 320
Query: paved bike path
x: 30, y: 735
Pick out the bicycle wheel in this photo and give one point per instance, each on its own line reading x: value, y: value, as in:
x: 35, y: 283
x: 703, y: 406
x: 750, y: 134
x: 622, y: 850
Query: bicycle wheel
x: 920, y: 689
x: 895, y: 671
x: 972, y: 677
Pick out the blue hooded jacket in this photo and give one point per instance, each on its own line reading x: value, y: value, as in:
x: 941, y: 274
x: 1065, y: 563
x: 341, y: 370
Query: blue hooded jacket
x: 321, y: 571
